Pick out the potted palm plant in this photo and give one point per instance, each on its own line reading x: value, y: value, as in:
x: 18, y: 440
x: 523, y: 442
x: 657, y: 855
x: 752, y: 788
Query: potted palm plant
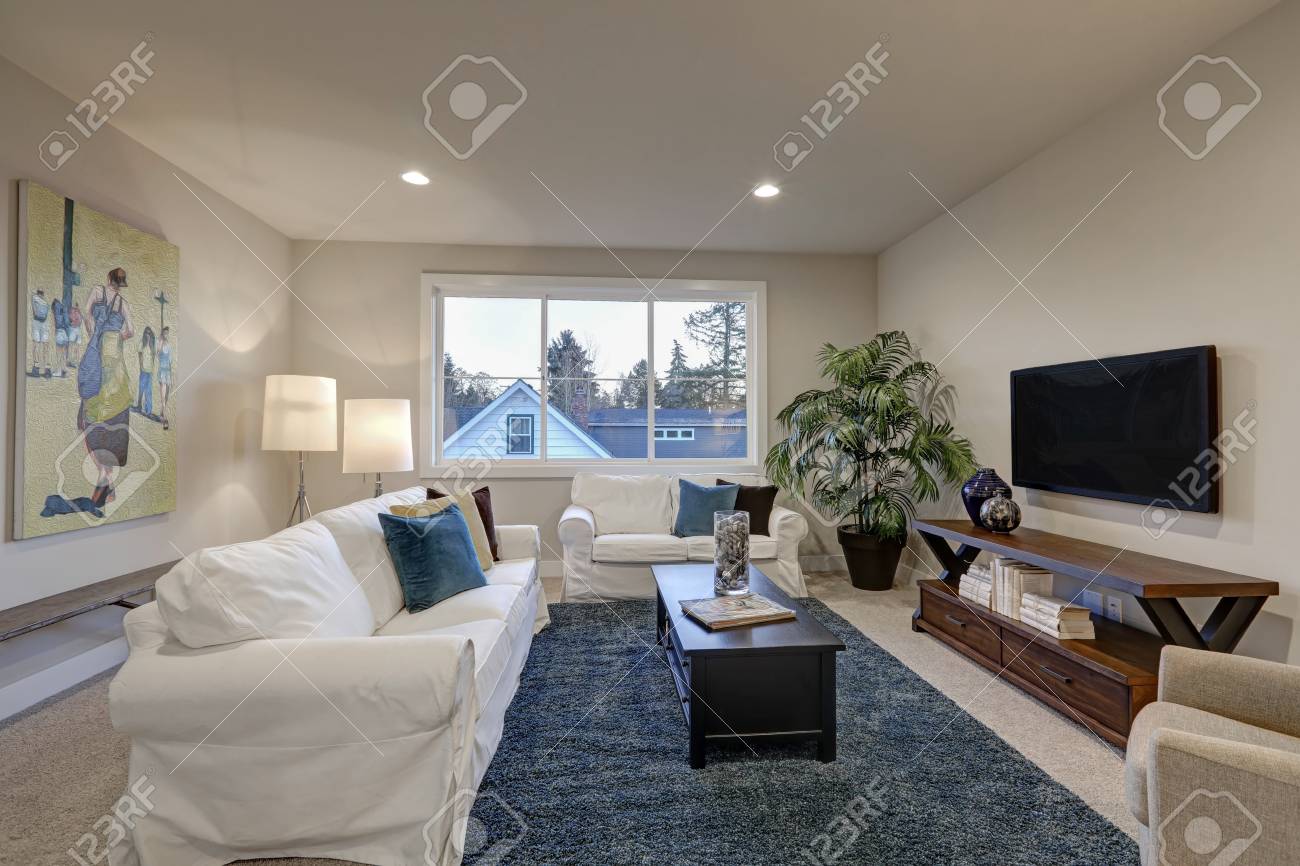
x: 865, y: 451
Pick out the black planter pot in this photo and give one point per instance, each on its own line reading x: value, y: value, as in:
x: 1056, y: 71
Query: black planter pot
x: 871, y: 562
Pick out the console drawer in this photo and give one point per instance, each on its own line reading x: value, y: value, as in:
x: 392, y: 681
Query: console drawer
x: 1092, y: 694
x: 943, y: 611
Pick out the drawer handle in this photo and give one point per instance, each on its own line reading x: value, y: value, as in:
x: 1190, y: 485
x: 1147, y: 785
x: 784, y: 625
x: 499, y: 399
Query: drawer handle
x: 952, y: 619
x: 1060, y: 676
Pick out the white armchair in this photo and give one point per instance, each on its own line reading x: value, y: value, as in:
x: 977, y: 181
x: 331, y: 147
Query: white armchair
x: 1216, y: 760
x: 616, y: 564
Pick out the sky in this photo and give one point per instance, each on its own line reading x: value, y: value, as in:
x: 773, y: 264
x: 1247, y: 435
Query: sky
x: 500, y: 336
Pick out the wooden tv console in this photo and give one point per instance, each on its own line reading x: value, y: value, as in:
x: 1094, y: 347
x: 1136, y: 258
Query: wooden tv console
x: 1100, y: 683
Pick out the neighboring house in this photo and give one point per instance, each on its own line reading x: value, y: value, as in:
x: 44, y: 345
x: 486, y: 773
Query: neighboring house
x: 510, y: 428
x: 678, y: 432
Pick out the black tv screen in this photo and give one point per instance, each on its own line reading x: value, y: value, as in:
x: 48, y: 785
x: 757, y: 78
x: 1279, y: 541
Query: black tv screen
x: 1132, y: 428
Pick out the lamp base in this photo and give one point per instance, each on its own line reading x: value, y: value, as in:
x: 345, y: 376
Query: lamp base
x: 379, y: 485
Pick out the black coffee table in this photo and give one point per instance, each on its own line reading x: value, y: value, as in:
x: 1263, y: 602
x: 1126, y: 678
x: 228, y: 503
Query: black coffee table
x: 774, y: 681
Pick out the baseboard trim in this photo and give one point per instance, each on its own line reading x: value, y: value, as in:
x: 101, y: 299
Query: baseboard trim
x: 822, y: 562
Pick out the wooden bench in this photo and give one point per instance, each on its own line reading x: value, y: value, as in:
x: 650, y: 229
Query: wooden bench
x: 56, y: 608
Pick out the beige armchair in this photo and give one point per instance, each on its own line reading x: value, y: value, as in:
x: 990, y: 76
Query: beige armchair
x: 1213, y: 766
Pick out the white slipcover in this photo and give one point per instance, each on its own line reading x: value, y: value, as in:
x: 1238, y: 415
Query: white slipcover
x: 626, y: 503
x: 601, y: 564
x: 220, y: 595
x: 355, y: 748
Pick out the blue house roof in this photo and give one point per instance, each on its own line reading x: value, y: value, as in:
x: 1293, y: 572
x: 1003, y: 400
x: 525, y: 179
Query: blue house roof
x: 668, y: 417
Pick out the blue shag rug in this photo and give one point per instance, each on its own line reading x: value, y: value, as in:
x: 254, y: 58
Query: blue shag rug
x: 592, y: 769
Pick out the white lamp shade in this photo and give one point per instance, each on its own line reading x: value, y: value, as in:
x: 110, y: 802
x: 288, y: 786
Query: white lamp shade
x: 300, y: 414
x: 377, y: 436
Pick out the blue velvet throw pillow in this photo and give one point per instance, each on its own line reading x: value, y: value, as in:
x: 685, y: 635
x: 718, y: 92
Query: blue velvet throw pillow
x: 434, y: 556
x: 696, y: 504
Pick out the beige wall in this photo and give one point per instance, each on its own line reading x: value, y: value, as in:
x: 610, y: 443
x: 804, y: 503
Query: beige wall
x: 368, y: 296
x: 227, y: 488
x: 1183, y: 253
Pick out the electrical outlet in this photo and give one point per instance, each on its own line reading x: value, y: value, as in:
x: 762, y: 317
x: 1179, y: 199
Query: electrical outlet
x: 1115, y: 608
x: 1091, y: 600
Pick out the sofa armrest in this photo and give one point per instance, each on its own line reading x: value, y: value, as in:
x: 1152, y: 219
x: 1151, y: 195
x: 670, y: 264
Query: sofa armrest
x: 328, y: 691
x: 1260, y: 693
x: 787, y: 526
x: 519, y: 541
x: 577, y: 526
x: 1249, y: 791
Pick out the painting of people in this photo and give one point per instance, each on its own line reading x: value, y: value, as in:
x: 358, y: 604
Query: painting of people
x: 97, y: 361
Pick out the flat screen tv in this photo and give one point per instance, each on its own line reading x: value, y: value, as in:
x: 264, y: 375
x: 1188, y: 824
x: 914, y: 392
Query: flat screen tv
x: 1135, y: 429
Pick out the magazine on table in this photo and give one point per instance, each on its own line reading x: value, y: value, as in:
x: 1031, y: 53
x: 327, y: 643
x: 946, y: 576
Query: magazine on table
x: 732, y: 611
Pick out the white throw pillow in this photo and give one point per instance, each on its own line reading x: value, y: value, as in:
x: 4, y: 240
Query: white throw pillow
x: 361, y: 540
x: 294, y: 584
x: 626, y: 503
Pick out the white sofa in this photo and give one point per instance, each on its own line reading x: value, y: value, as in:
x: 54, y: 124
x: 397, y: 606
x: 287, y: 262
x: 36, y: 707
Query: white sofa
x: 619, y: 525
x: 366, y: 748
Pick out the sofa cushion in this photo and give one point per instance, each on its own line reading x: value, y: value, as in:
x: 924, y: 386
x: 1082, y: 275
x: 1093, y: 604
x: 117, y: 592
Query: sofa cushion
x: 699, y: 548
x: 294, y: 584
x: 491, y: 642
x: 483, y: 502
x: 500, y: 602
x: 468, y: 509
x: 512, y: 572
x: 747, y: 478
x: 356, y: 529
x: 758, y: 501
x: 434, y: 556
x: 626, y: 503
x: 696, y: 505
x: 1162, y: 714
x: 638, y: 547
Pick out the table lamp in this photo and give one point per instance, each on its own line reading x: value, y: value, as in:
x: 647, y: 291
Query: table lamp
x: 377, y: 438
x: 300, y: 414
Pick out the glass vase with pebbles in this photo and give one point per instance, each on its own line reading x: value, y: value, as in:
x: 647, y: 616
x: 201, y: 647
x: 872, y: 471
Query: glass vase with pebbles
x: 731, y: 552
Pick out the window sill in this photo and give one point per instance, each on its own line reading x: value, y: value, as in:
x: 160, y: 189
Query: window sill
x: 552, y: 470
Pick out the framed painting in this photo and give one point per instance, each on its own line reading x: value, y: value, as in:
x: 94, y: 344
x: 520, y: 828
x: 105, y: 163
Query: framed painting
x: 98, y: 308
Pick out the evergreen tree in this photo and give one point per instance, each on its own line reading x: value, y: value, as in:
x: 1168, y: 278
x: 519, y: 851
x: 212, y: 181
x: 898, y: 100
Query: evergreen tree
x: 720, y: 329
x: 467, y: 389
x: 568, y: 364
x: 632, y: 391
x: 678, y: 391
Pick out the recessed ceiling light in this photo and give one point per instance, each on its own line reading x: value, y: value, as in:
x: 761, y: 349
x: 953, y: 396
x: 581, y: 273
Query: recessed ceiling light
x: 415, y: 177
x: 766, y: 190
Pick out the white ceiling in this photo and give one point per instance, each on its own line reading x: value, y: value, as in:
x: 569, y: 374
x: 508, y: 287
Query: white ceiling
x: 649, y: 120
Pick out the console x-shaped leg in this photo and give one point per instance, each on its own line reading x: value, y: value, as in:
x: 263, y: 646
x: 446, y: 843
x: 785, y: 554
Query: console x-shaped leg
x: 953, y: 562
x: 1221, y: 632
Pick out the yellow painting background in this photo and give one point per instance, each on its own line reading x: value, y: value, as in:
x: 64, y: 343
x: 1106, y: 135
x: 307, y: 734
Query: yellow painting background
x: 53, y: 459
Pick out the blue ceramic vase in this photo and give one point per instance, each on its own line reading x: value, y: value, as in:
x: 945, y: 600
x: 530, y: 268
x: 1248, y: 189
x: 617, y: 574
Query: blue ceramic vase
x: 982, y: 486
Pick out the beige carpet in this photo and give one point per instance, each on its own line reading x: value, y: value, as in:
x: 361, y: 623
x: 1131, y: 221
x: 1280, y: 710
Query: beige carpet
x: 62, y: 766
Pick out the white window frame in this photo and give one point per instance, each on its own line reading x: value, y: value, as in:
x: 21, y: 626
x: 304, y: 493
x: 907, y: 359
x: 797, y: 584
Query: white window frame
x: 684, y: 434
x: 435, y: 287
x: 531, y: 434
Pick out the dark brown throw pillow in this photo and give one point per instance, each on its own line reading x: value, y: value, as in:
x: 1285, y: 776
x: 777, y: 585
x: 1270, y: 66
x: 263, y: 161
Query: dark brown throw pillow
x: 483, y: 500
x: 758, y: 501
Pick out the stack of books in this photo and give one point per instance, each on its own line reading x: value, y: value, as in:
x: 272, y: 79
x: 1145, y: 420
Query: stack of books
x: 976, y: 586
x: 1057, y: 617
x: 1012, y: 579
